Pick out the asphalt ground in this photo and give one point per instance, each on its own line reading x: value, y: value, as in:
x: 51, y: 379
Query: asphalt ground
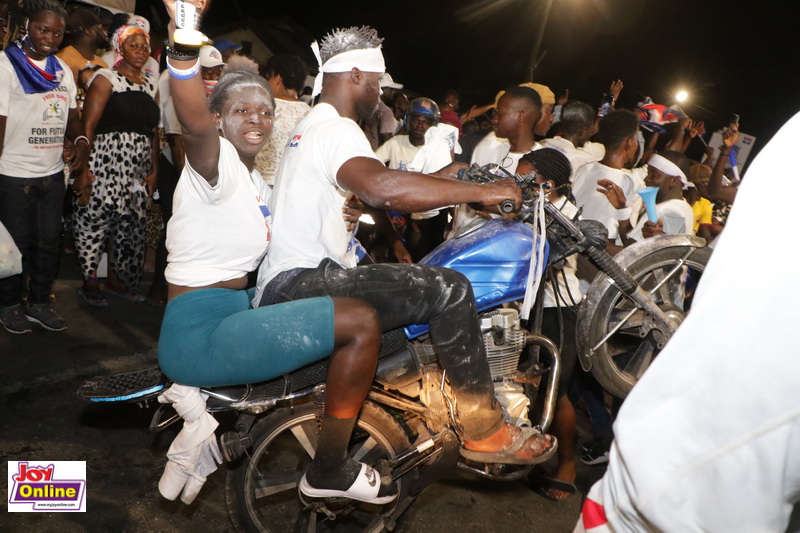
x: 41, y: 419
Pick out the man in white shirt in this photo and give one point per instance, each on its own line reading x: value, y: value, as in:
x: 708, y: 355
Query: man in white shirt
x: 668, y: 172
x: 425, y: 149
x: 619, y: 134
x: 518, y: 112
x: 577, y: 127
x: 312, y: 253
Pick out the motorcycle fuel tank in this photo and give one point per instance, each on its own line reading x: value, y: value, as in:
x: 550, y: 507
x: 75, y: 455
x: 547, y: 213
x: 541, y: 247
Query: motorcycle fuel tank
x: 495, y: 258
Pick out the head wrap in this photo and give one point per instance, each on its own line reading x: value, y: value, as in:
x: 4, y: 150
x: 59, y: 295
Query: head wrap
x: 121, y: 35
x: 364, y: 59
x: 668, y: 167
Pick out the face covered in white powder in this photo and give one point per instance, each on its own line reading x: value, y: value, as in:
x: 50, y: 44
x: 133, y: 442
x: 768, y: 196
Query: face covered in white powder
x: 246, y: 119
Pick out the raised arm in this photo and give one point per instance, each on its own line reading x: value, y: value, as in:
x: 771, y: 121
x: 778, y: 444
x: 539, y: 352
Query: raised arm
x: 715, y: 190
x: 200, y: 133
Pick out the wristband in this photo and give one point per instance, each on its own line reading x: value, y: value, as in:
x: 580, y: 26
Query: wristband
x: 624, y: 213
x: 182, y: 54
x: 183, y: 74
x: 83, y: 138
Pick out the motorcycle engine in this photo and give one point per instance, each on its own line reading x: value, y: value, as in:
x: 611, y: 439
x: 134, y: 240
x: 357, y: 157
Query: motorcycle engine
x: 504, y: 340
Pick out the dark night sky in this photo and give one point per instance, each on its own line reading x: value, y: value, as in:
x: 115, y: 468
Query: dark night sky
x: 732, y: 57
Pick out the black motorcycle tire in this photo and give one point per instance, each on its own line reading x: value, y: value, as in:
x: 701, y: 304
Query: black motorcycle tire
x: 618, y: 374
x: 277, y: 441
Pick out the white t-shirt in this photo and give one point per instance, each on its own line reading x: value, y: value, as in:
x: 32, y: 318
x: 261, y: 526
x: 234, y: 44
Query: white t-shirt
x: 492, y: 149
x: 433, y: 155
x: 709, y: 438
x: 577, y: 156
x: 572, y: 286
x: 307, y: 200
x: 677, y: 216
x: 595, y: 204
x: 397, y: 152
x: 36, y: 123
x: 217, y: 233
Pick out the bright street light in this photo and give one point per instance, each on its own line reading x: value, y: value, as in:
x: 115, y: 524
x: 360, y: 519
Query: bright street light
x: 681, y: 96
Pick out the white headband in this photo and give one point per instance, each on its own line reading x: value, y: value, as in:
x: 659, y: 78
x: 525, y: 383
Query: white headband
x: 668, y: 167
x: 364, y: 59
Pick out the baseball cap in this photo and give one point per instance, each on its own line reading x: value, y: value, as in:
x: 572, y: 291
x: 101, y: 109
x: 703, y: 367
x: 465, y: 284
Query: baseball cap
x: 223, y: 45
x: 547, y: 96
x: 210, y: 57
x: 387, y: 81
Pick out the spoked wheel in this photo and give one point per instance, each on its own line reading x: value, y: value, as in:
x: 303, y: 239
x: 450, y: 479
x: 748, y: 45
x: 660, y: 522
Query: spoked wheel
x: 261, y: 490
x: 616, y: 338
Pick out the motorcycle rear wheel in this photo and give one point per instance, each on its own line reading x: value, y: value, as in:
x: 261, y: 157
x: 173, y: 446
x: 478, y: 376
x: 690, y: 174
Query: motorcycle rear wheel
x: 261, y: 490
x: 619, y: 361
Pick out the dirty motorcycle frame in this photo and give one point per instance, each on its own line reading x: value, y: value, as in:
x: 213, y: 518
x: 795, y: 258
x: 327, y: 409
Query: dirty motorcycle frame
x: 408, y: 428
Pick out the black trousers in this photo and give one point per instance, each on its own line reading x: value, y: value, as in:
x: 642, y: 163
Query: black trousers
x: 31, y: 209
x: 414, y: 294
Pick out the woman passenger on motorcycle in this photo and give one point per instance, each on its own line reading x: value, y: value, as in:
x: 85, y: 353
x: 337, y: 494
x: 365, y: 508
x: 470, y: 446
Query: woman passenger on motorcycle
x: 219, y: 233
x: 561, y: 299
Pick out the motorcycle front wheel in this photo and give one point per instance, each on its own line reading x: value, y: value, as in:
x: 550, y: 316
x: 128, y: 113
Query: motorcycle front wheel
x: 614, y: 338
x: 261, y: 490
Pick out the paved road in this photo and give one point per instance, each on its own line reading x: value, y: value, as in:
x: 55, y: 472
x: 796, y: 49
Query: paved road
x: 42, y: 419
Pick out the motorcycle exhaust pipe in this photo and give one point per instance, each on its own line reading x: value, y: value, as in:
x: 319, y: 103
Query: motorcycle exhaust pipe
x: 551, y: 395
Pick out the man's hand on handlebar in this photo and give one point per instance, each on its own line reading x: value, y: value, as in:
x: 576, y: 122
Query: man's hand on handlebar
x: 502, y: 197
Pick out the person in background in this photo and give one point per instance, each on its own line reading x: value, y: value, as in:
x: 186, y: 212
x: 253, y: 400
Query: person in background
x: 38, y: 109
x: 121, y: 118
x: 286, y: 75
x: 562, y: 295
x: 381, y: 125
x: 112, y: 57
x: 619, y: 134
x: 85, y: 34
x: 699, y: 175
x: 548, y: 97
x: 425, y: 149
x: 577, y: 126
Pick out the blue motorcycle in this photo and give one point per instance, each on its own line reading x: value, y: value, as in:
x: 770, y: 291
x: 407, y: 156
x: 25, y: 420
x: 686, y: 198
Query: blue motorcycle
x: 407, y: 427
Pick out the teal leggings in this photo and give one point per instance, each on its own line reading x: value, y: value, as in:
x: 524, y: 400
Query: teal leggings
x: 212, y: 338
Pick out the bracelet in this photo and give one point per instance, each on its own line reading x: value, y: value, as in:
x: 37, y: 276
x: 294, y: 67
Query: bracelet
x: 624, y: 213
x: 83, y: 138
x: 183, y: 74
x: 182, y: 54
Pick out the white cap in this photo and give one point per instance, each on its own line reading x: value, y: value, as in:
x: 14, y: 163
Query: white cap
x: 210, y: 57
x: 387, y: 81
x: 138, y: 20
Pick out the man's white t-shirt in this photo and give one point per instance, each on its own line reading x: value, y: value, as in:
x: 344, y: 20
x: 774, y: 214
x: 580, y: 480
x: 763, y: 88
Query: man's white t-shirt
x: 307, y: 200
x: 677, y: 216
x: 36, y: 123
x: 217, y: 233
x: 577, y: 156
x: 595, y: 204
x: 397, y: 152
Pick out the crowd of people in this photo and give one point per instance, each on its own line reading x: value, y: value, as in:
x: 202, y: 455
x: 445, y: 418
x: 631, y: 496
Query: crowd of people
x: 260, y: 166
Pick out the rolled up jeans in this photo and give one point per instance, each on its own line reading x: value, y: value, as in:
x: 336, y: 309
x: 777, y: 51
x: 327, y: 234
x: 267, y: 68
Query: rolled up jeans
x: 415, y: 294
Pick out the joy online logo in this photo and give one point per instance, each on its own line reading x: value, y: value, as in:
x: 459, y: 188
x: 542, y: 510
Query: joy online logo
x: 38, y: 486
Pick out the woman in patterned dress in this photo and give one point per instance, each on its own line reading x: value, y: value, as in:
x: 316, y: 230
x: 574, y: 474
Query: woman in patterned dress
x: 121, y: 116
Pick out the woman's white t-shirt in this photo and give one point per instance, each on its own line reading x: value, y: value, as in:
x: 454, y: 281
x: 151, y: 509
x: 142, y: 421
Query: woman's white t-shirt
x: 218, y: 233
